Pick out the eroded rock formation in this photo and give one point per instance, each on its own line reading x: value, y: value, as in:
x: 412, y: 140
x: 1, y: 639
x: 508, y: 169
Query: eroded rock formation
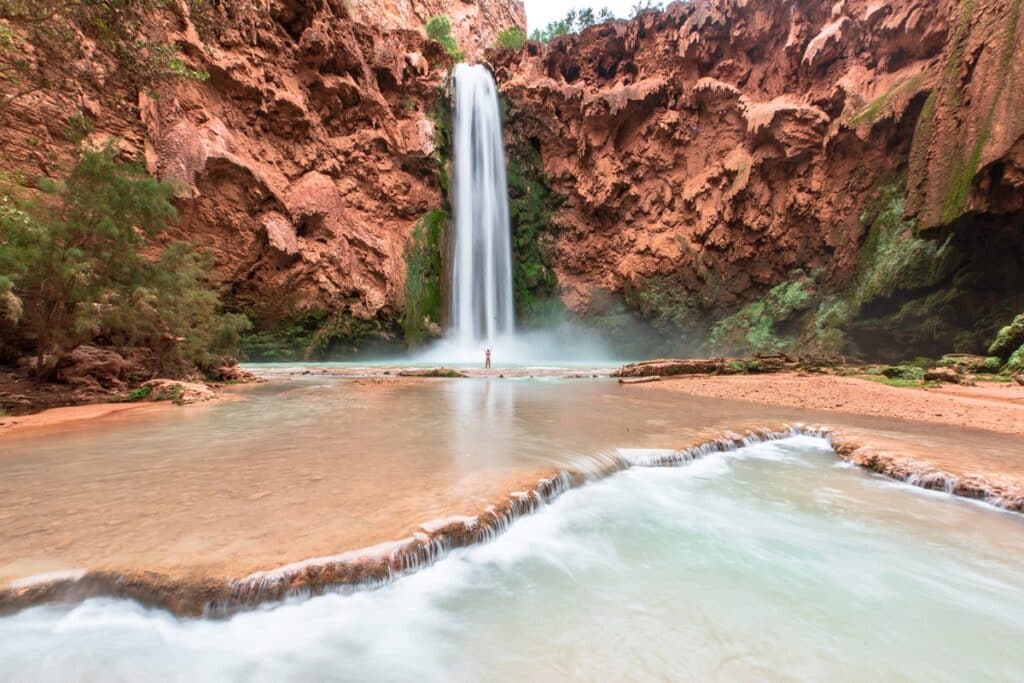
x: 475, y: 23
x: 302, y: 162
x: 707, y: 153
x: 769, y: 163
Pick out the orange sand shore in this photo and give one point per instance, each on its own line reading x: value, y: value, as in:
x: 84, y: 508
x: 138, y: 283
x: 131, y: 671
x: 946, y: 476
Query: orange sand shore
x: 59, y: 417
x: 995, y: 407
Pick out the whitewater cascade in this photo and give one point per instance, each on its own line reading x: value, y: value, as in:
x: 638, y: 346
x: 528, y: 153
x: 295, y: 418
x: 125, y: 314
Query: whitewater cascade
x: 480, y: 286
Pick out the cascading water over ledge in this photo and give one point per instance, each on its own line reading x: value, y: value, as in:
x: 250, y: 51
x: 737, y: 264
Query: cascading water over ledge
x: 479, y: 295
x: 480, y: 292
x: 374, y: 567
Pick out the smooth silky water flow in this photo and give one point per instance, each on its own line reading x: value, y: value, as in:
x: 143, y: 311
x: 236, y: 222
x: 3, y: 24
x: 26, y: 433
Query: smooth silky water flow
x: 480, y: 306
x: 773, y: 562
x: 770, y: 563
x: 480, y: 299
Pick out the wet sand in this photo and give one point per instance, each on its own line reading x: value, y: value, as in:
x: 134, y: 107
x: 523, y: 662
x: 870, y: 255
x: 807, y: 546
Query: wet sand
x: 55, y: 419
x: 993, y: 406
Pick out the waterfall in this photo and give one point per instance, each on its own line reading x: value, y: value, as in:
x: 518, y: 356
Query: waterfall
x: 480, y: 287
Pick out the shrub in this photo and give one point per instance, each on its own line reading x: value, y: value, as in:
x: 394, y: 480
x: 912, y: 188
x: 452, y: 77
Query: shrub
x: 150, y: 62
x: 512, y: 38
x: 1016, y: 361
x: 574, y: 21
x: 439, y: 28
x: 992, y: 365
x: 644, y: 6
x: 140, y: 394
x: 904, y: 372
x: 72, y: 258
x: 77, y: 127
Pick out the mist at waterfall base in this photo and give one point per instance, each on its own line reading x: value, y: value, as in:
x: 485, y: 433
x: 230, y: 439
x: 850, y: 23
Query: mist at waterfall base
x: 566, y: 345
x: 480, y: 306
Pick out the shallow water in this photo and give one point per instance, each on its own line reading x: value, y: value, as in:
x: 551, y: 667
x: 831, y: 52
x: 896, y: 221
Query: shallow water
x: 318, y: 465
x: 774, y: 562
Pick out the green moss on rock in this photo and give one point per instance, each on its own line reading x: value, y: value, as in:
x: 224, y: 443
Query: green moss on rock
x: 892, y: 257
x: 1009, y: 339
x: 421, y: 317
x: 755, y: 327
x: 664, y: 302
x: 532, y: 205
x: 870, y: 113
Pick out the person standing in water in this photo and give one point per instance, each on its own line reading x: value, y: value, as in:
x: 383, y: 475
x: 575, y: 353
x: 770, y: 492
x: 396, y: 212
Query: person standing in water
x: 487, y: 359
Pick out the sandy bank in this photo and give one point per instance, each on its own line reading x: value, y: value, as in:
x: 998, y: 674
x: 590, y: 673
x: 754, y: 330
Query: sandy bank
x: 995, y: 407
x: 56, y: 418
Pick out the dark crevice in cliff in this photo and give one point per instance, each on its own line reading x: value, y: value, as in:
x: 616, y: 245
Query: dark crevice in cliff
x: 962, y: 312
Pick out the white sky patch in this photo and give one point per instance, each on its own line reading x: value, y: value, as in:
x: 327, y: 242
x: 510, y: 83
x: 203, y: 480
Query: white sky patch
x: 539, y: 13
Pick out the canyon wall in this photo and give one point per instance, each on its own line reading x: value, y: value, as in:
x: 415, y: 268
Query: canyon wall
x: 968, y: 155
x: 746, y: 159
x: 299, y: 135
x: 839, y: 177
x: 475, y: 23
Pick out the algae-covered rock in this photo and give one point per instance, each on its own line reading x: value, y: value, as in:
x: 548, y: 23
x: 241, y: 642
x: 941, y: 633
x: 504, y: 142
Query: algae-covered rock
x: 948, y: 375
x: 1009, y: 339
x: 964, y: 362
x: 176, y: 391
x: 992, y: 365
x: 1016, y: 360
x: 909, y: 372
x: 447, y: 373
x: 758, y: 326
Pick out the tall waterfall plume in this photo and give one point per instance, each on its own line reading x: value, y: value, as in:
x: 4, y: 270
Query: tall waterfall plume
x: 480, y: 293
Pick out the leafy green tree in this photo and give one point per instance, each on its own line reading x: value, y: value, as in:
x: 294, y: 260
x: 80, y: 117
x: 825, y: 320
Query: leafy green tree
x: 645, y: 6
x: 512, y: 38
x: 73, y: 259
x: 173, y: 312
x: 574, y: 21
x: 77, y: 246
x: 439, y: 28
x: 11, y: 308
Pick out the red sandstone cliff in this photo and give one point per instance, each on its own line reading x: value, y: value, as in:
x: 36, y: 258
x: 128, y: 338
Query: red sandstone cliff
x: 714, y: 147
x: 724, y: 142
x: 303, y: 161
x: 475, y: 23
x: 968, y: 155
x: 721, y: 144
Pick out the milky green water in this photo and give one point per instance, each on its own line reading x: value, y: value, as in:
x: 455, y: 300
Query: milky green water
x: 772, y: 563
